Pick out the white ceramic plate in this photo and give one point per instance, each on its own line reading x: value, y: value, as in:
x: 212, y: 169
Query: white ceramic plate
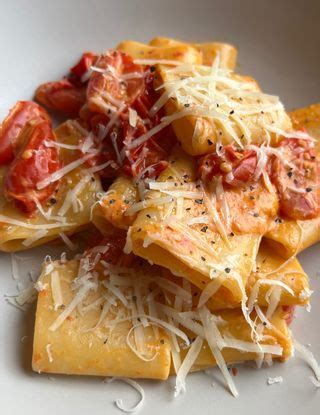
x: 279, y: 45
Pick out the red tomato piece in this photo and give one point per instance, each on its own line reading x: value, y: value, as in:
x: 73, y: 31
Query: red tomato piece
x: 62, y: 96
x: 77, y: 71
x: 297, y: 185
x: 113, y: 252
x: 33, y: 163
x: 242, y: 164
x: 19, y: 116
x: 108, y: 91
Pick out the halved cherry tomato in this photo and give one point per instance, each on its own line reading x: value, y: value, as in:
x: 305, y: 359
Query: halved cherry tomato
x: 146, y: 155
x: 77, y: 71
x: 242, y: 164
x: 297, y: 185
x: 106, y: 92
x: 34, y: 163
x: 113, y: 252
x: 62, y: 96
x: 19, y: 116
x: 120, y: 83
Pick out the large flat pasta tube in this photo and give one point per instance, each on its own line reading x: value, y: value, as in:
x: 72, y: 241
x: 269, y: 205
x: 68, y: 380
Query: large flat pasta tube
x: 199, y: 252
x: 75, y: 349
x: 121, y: 195
x: 182, y: 53
x: 68, y: 212
x: 209, y: 50
x: 270, y: 267
x: 237, y: 327
x: 196, y: 132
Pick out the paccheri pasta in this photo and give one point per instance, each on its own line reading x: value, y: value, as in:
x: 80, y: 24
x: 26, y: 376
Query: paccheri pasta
x: 201, y: 190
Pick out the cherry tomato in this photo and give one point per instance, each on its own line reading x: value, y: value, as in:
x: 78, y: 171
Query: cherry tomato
x: 297, y: 185
x: 77, y: 71
x: 242, y: 164
x: 109, y: 90
x: 19, y: 116
x: 62, y: 96
x: 33, y: 163
x: 113, y: 252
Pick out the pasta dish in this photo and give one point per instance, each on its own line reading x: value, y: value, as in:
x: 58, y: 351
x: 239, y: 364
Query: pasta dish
x: 185, y: 193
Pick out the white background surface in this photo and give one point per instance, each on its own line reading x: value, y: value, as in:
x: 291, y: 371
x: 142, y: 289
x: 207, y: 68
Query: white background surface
x: 278, y: 43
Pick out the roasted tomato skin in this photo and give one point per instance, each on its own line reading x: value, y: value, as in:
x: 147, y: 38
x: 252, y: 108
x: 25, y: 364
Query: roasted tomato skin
x: 242, y: 165
x: 107, y: 90
x: 19, y: 116
x: 33, y: 163
x: 297, y: 186
x: 80, y: 68
x: 113, y: 253
x: 62, y: 96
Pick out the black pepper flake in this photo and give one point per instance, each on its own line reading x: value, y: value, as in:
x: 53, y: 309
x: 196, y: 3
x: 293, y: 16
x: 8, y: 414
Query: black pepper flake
x: 204, y: 229
x: 162, y: 341
x: 242, y: 137
x: 203, y: 212
x: 217, y: 105
x: 139, y: 319
x: 227, y: 270
x: 53, y: 201
x: 152, y: 68
x: 308, y: 189
x: 251, y: 197
x: 264, y: 323
x: 170, y: 177
x: 278, y: 220
x: 251, y: 188
x: 289, y: 174
x: 231, y: 234
x: 105, y: 341
x: 212, y: 242
x: 139, y: 230
x: 93, y: 179
x: 187, y: 105
x: 199, y: 201
x: 231, y: 112
x: 210, y: 142
x: 313, y: 157
x: 220, y: 148
x: 185, y: 176
x: 198, y: 186
x: 203, y: 258
x: 262, y: 112
x: 175, y: 184
x: 111, y: 201
x: 256, y: 215
x: 148, y: 216
x: 188, y: 208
